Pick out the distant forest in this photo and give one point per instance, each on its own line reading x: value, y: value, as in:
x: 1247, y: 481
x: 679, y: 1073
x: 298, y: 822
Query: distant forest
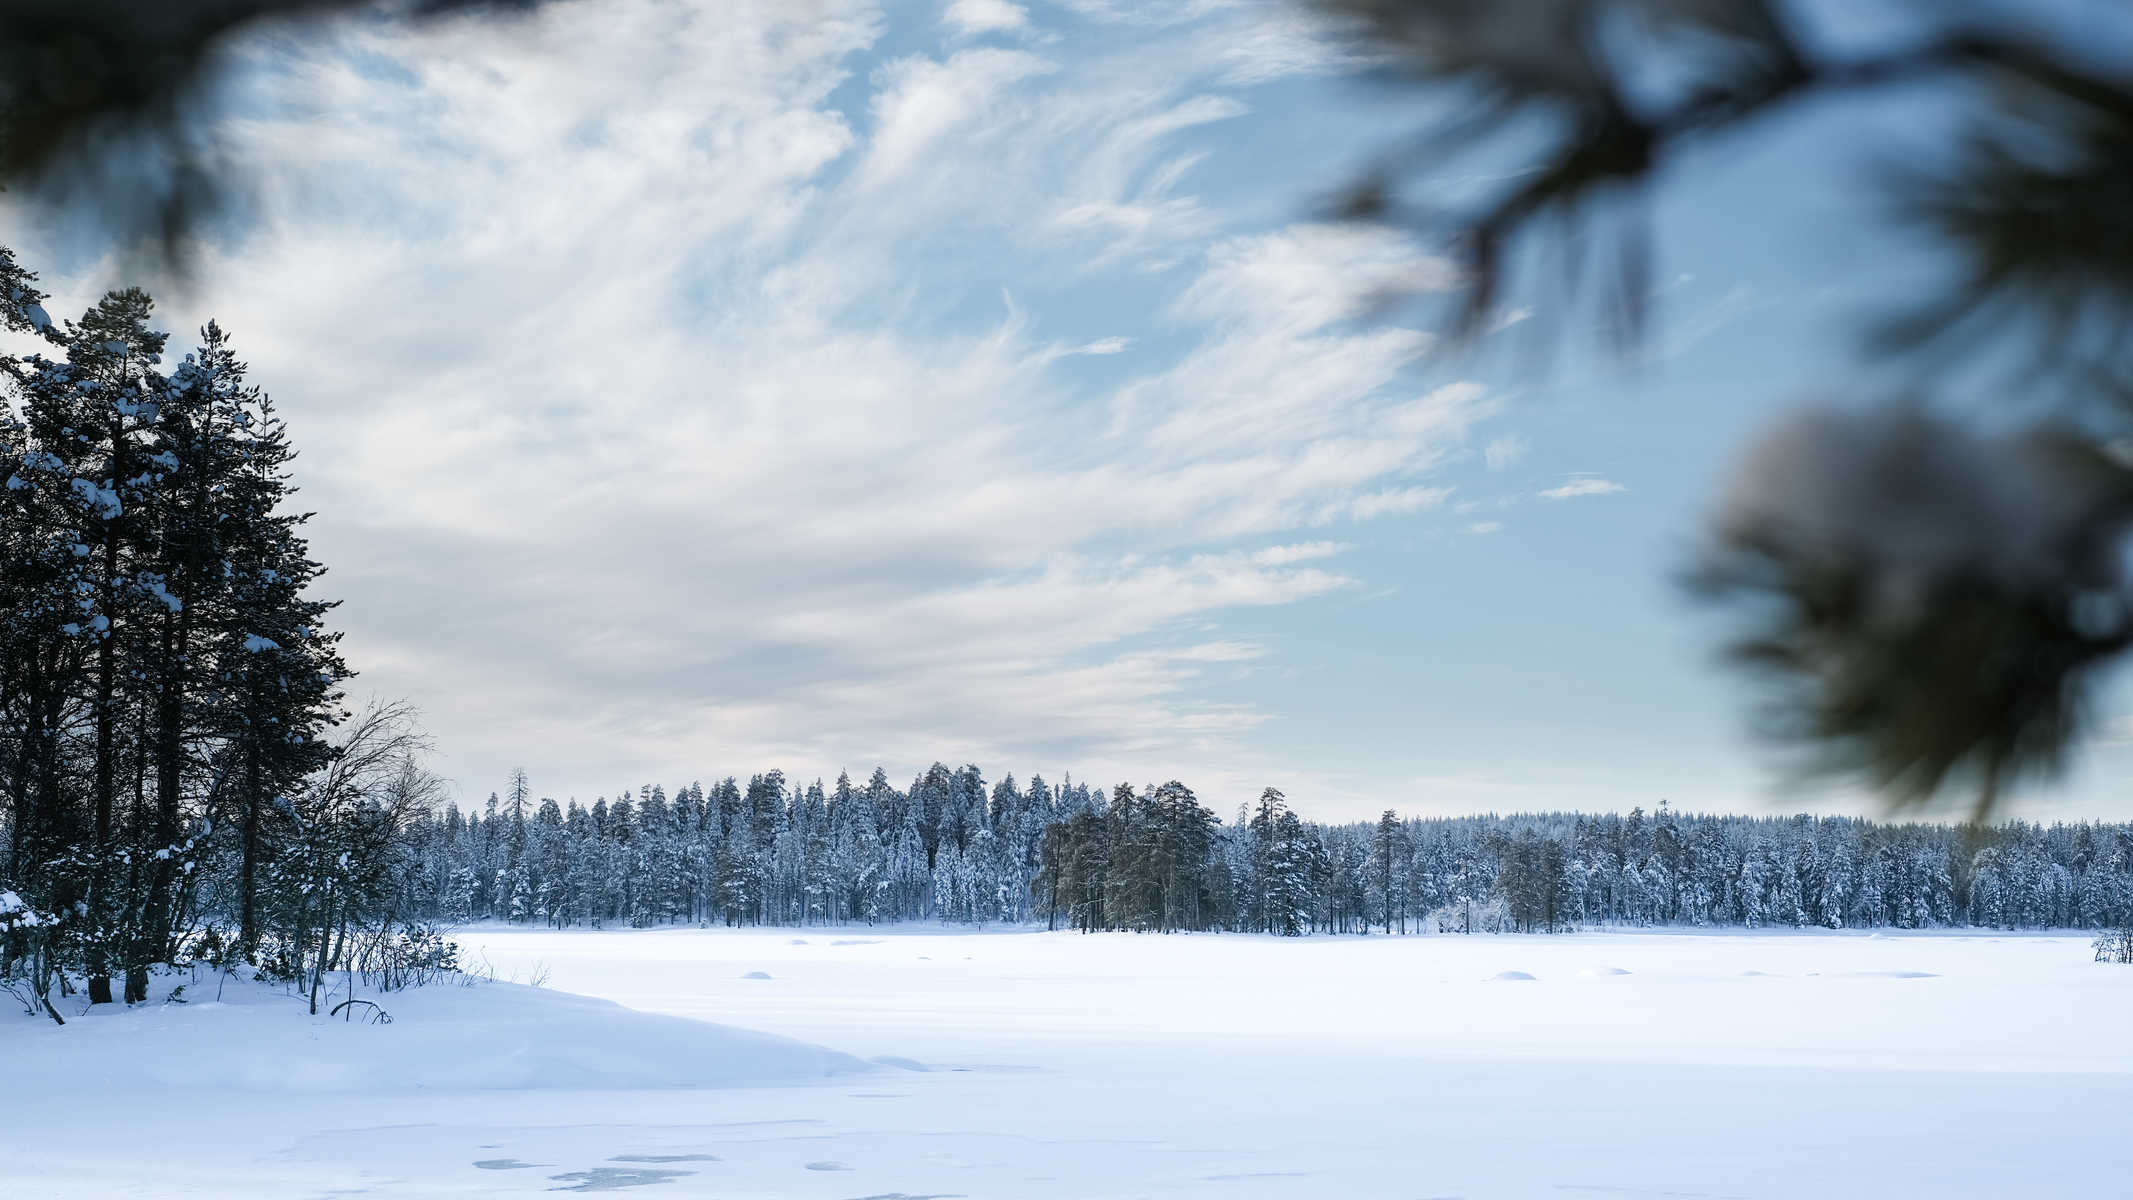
x: 950, y: 848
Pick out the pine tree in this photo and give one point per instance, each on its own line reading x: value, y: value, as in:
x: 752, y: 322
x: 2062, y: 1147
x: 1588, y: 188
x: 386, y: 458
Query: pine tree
x: 1387, y: 848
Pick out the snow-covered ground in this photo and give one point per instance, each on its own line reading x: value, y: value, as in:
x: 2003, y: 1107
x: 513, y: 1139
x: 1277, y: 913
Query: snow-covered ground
x: 488, y: 1036
x: 1055, y: 1065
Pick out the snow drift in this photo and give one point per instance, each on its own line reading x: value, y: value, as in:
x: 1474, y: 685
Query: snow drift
x: 482, y: 1036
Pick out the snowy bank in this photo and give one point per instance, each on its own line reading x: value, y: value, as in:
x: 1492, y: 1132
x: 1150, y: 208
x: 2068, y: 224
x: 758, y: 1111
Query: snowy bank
x: 477, y: 1036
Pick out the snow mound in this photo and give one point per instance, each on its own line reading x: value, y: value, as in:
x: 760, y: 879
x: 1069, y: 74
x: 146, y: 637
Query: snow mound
x: 757, y: 975
x: 484, y: 1036
x: 1509, y: 977
x: 1757, y: 974
x: 901, y: 1064
x: 856, y: 942
x: 1598, y: 972
x: 1886, y: 975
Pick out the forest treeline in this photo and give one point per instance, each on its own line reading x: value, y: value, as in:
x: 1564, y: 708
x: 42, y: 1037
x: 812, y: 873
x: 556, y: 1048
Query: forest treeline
x: 951, y: 848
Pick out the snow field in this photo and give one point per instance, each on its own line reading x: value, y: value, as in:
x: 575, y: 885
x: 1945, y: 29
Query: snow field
x: 1932, y: 1001
x: 1054, y: 1065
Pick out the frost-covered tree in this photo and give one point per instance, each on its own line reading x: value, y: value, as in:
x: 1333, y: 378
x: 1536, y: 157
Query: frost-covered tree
x: 166, y: 677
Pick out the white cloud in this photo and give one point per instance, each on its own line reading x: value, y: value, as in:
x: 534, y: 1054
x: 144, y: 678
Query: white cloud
x: 1390, y: 500
x: 920, y: 103
x: 1311, y: 276
x: 1128, y: 194
x: 1483, y: 528
x: 972, y: 17
x: 1583, y: 485
x: 1281, y: 556
x: 1220, y: 652
x: 1242, y: 41
x: 1509, y: 317
x: 1280, y: 40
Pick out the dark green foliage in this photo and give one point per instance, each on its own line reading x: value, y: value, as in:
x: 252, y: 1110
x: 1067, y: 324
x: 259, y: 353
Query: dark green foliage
x: 166, y: 679
x: 2026, y: 199
x: 1932, y: 613
x: 1284, y: 862
x: 1533, y: 875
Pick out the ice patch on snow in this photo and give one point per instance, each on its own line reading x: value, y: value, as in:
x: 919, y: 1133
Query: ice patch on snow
x: 614, y: 1179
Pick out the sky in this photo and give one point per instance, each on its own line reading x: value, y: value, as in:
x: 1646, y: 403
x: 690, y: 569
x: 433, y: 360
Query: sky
x: 688, y: 390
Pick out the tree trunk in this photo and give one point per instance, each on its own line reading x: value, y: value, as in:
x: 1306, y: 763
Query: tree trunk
x: 105, y: 785
x: 152, y: 940
x: 248, y: 867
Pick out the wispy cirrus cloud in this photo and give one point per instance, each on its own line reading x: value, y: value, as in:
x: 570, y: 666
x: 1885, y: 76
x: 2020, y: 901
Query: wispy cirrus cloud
x: 1583, y: 485
x: 973, y: 17
x: 673, y: 402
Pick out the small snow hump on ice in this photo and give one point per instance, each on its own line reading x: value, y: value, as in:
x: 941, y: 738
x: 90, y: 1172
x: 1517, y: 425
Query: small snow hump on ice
x: 1509, y: 977
x: 1597, y: 972
x: 757, y: 975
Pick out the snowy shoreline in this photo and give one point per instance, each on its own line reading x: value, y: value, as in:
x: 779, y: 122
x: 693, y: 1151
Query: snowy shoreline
x: 468, y: 1035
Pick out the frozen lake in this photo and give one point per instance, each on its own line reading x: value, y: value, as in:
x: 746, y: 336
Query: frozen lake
x: 1056, y: 1065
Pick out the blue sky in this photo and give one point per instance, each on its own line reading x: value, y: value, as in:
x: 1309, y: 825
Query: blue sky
x: 694, y: 389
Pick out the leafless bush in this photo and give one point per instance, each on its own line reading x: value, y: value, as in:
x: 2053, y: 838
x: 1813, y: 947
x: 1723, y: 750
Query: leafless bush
x: 2115, y: 945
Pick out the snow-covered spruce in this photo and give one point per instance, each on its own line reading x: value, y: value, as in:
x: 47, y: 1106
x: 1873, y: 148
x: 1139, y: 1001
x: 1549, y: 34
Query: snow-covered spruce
x: 166, y: 680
